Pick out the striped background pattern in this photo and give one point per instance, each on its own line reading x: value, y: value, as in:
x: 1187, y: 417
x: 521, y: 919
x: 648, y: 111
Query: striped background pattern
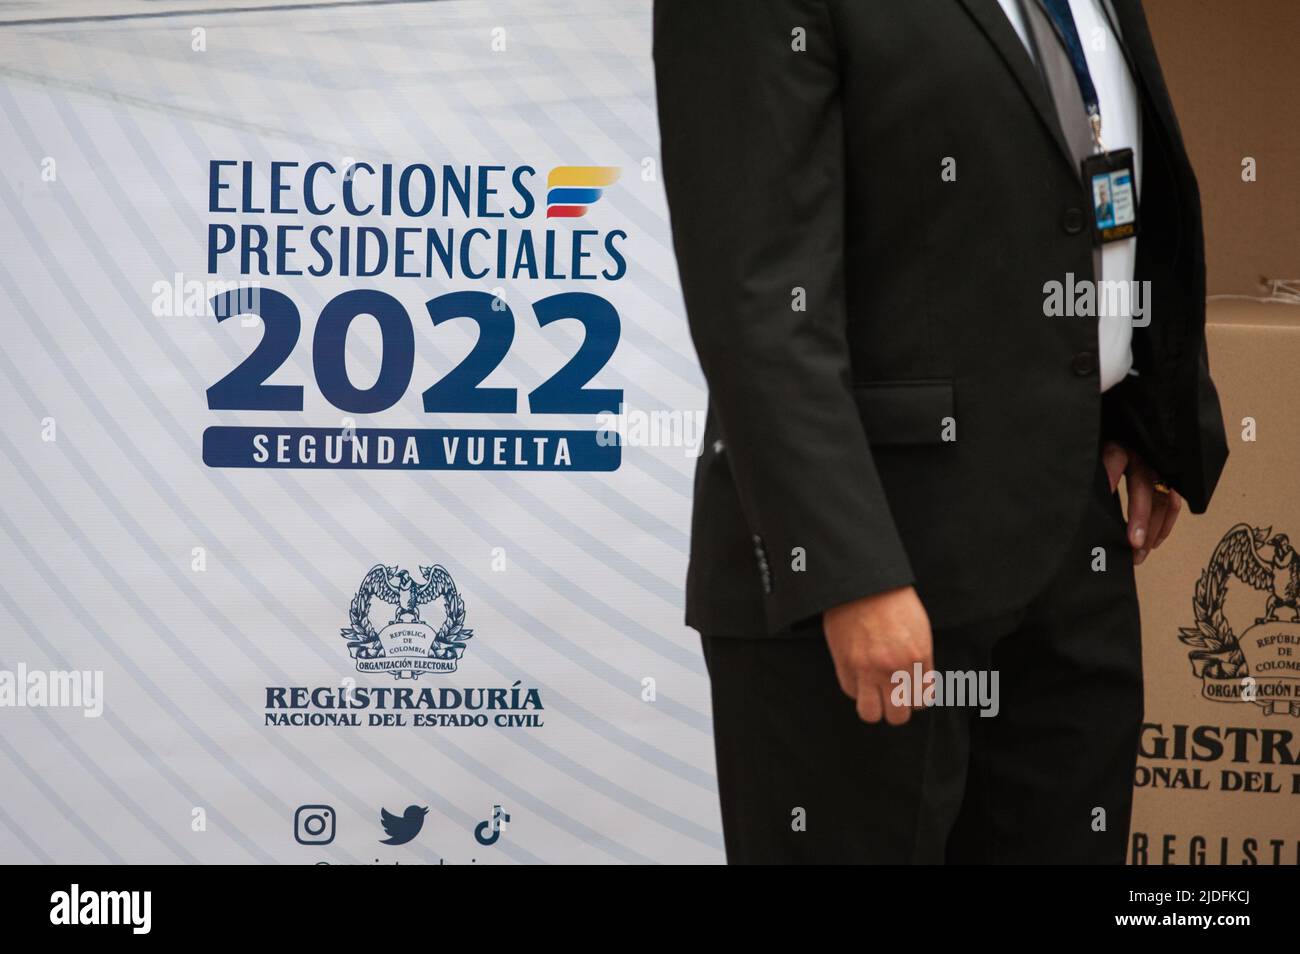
x: 97, y: 528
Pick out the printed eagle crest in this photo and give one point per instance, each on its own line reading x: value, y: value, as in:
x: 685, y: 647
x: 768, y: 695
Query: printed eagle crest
x: 398, y: 587
x: 1238, y: 554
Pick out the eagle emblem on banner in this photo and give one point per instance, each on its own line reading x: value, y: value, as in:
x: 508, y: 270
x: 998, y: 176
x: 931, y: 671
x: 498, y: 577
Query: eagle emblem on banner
x: 406, y: 645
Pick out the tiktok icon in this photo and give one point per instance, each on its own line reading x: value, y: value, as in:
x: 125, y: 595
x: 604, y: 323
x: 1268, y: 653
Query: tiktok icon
x: 489, y: 831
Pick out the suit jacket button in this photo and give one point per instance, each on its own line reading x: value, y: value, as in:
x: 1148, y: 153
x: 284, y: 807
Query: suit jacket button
x: 1073, y: 221
x: 1084, y: 364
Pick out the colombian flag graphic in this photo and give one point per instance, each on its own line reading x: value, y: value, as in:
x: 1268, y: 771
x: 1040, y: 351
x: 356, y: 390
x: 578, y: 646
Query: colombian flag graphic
x: 570, y: 189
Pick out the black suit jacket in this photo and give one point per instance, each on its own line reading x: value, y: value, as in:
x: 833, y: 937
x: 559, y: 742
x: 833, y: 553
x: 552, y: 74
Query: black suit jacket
x: 848, y: 304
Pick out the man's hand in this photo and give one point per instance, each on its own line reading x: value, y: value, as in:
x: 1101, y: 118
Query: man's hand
x: 1151, y: 514
x: 871, y: 639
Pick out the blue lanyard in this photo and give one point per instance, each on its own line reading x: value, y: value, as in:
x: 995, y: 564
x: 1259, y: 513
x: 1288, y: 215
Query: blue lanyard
x: 1059, y: 13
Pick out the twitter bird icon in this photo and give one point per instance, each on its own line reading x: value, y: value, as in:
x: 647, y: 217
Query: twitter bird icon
x: 401, y: 829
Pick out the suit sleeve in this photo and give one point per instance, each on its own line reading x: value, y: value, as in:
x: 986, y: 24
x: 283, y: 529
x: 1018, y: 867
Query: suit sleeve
x: 752, y: 143
x: 1211, y: 444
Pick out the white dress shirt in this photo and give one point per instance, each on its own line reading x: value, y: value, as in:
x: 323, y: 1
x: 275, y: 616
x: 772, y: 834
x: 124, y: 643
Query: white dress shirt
x: 1121, y: 114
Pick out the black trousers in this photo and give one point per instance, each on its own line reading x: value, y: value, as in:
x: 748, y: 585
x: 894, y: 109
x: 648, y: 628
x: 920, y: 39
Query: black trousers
x: 1047, y: 780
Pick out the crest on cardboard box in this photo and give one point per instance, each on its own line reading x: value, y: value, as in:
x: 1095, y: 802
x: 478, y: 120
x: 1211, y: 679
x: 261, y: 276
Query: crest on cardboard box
x: 1253, y: 578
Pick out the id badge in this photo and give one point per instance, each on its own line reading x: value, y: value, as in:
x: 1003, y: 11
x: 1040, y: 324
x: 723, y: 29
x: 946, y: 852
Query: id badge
x: 1110, y: 181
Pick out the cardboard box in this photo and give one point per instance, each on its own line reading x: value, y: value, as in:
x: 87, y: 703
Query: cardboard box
x: 1233, y: 73
x: 1218, y: 778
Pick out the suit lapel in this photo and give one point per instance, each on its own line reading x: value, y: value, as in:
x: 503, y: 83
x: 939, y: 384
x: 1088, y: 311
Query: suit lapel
x: 990, y: 18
